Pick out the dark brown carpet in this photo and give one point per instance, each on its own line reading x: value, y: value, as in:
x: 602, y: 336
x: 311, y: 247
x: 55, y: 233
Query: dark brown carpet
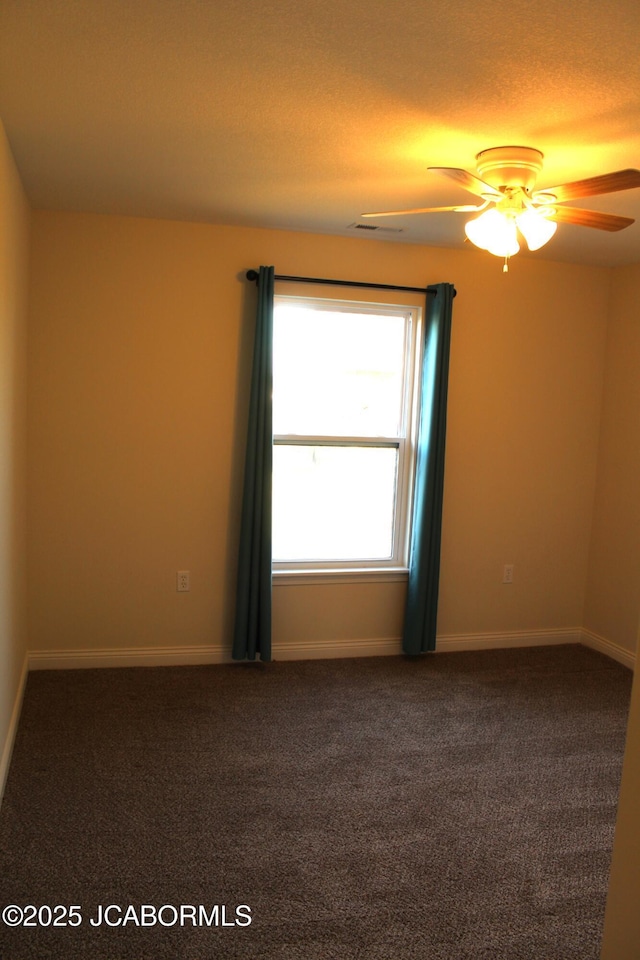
x: 456, y: 807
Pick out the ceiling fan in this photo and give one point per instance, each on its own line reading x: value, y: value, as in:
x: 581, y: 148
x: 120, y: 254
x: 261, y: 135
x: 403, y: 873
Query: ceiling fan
x: 507, y: 176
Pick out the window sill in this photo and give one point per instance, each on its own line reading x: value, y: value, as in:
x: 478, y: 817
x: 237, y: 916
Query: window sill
x: 288, y: 578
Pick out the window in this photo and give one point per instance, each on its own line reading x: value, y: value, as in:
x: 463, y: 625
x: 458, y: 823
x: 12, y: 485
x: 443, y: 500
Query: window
x: 343, y: 419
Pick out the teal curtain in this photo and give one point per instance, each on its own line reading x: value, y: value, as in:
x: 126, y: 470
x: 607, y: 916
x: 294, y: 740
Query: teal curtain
x: 252, y: 636
x: 424, y: 557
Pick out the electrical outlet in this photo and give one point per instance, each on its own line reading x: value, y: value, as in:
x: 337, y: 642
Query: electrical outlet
x: 507, y: 573
x: 183, y: 581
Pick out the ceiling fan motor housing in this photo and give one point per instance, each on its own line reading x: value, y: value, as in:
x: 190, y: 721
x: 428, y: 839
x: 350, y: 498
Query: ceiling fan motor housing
x: 510, y: 166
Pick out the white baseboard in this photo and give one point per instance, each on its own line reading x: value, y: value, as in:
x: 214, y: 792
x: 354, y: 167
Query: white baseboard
x: 13, y: 726
x: 127, y: 657
x: 510, y: 638
x: 537, y: 638
x: 321, y: 650
x: 303, y: 650
x: 609, y: 648
x: 444, y: 644
x: 334, y: 649
x: 191, y: 656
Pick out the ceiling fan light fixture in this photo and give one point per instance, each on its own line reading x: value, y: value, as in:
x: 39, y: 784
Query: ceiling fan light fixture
x: 495, y: 232
x: 506, y: 185
x: 535, y: 228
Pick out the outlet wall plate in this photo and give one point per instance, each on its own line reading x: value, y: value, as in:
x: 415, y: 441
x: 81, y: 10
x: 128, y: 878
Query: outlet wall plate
x: 183, y: 581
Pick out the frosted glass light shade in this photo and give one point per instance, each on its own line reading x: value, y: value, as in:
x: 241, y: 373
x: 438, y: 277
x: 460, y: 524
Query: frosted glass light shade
x: 536, y: 229
x: 494, y: 232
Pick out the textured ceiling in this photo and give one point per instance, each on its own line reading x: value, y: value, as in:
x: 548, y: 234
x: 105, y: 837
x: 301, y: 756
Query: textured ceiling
x: 303, y: 114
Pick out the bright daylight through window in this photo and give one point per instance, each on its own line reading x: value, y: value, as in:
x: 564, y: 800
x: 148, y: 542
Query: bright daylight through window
x: 343, y: 419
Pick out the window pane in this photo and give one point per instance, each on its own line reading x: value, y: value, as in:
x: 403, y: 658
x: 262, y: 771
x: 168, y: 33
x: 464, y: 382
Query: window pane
x: 337, y: 373
x: 333, y: 503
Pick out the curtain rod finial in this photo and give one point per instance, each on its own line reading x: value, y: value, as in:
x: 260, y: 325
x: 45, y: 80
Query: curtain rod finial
x: 252, y: 275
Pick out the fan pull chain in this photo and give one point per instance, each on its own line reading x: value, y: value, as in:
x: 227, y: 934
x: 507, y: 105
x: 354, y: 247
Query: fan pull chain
x: 505, y: 267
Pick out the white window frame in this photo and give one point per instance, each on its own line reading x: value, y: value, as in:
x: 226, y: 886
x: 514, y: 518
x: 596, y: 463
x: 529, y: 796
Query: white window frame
x: 394, y: 567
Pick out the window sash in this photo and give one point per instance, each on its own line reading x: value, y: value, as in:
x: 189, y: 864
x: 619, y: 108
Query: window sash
x: 373, y: 310
x: 404, y: 444
x: 400, y: 505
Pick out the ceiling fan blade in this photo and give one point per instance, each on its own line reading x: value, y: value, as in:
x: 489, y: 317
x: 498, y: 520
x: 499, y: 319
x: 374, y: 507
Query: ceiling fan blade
x: 590, y: 218
x: 398, y: 213
x: 594, y: 186
x: 467, y: 180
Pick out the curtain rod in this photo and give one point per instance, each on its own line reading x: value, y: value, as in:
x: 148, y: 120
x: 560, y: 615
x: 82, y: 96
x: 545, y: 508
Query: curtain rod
x: 252, y: 275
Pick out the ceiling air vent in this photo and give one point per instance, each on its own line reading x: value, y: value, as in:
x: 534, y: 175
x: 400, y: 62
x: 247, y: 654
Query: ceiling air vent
x: 370, y: 227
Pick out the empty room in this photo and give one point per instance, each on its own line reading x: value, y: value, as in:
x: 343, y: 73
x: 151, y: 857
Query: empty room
x: 319, y: 506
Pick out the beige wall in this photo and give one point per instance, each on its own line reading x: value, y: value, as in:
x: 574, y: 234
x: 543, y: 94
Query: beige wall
x: 612, y: 604
x: 14, y: 225
x: 139, y: 337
